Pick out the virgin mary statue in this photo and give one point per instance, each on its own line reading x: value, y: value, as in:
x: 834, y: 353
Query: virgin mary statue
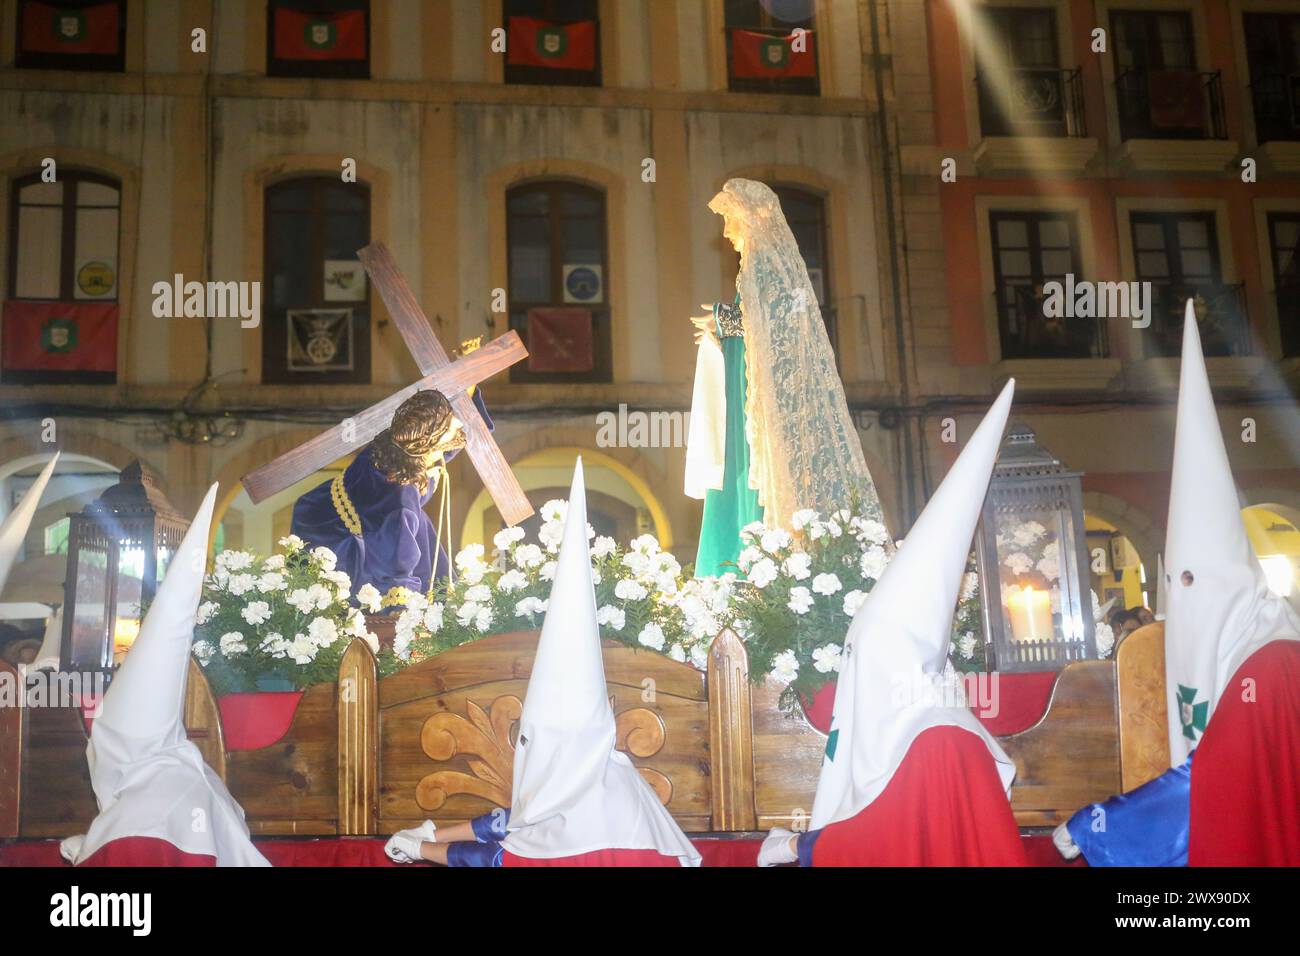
x: 770, y: 431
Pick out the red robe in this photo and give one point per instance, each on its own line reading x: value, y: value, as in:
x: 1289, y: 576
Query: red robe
x: 144, y: 851
x: 944, y: 806
x: 1245, y: 803
x: 597, y: 858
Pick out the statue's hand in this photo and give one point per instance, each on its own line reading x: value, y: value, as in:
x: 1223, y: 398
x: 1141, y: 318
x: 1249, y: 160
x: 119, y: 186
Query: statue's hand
x: 704, y: 324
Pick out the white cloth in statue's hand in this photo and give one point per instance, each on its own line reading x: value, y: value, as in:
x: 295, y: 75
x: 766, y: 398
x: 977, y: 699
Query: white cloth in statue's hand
x: 777, y: 848
x: 707, y: 432
x: 404, y: 845
x: 1065, y: 844
x: 69, y: 848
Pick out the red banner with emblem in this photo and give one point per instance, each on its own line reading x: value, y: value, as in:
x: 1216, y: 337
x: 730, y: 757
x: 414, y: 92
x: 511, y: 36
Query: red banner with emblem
x: 49, y: 28
x: 59, y: 336
x: 758, y: 56
x: 559, y: 340
x: 320, y: 36
x: 560, y: 46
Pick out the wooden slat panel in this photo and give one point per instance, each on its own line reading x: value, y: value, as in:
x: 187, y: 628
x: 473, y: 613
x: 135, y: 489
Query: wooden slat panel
x: 292, y: 785
x: 57, y: 799
x: 731, y: 735
x: 11, y: 748
x: 203, y: 719
x: 331, y: 445
x: 358, y: 709
x: 787, y: 761
x: 1071, y: 756
x: 1143, y: 710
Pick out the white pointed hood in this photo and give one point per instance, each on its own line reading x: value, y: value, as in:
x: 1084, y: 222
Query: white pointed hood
x: 149, y: 779
x: 1219, y: 610
x: 1162, y: 595
x: 897, y: 645
x: 19, y: 521
x: 573, y: 792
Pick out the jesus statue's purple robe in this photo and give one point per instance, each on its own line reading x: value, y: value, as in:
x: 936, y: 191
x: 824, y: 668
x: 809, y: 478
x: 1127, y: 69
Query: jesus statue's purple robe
x: 398, y: 545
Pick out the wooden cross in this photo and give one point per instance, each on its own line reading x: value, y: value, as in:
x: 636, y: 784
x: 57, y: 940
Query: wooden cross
x: 452, y: 379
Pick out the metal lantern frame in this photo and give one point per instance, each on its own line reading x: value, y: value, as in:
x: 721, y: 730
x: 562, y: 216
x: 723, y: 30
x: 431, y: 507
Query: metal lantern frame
x: 132, y: 514
x: 1029, y: 480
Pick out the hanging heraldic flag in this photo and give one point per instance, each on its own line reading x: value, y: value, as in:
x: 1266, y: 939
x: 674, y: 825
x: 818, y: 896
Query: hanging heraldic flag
x: 93, y: 29
x: 561, y: 46
x: 559, y: 340
x: 320, y: 36
x: 758, y: 56
x: 60, y: 337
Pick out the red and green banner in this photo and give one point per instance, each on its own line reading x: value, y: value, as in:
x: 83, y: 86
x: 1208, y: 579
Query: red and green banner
x: 320, y: 36
x: 560, y: 46
x: 59, y: 337
x: 49, y: 28
x: 758, y: 56
x: 560, y: 340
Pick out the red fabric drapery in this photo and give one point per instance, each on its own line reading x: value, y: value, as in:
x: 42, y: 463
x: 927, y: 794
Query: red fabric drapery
x: 944, y: 806
x: 1245, y: 803
x: 597, y: 858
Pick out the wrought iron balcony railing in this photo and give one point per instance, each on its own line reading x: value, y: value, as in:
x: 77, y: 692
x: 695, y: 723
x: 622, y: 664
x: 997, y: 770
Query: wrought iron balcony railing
x: 1027, y: 332
x: 1276, y: 98
x: 1031, y: 101
x: 1170, y: 104
x: 1220, y: 312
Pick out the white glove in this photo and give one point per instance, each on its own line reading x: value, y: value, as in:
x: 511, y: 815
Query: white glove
x: 1065, y: 844
x: 404, y: 845
x: 70, y: 847
x: 777, y: 848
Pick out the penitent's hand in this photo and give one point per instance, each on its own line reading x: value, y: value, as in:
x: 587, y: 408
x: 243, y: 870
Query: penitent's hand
x: 704, y: 324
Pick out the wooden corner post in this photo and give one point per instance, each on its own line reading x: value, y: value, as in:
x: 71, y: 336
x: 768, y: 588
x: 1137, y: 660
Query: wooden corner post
x: 731, y: 735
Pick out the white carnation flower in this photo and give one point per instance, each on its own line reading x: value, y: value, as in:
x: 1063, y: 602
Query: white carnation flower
x: 612, y: 617
x: 745, y: 560
x: 323, y: 631
x: 1105, y: 636
x: 274, y: 563
x: 321, y: 597
x: 700, y: 655
x: 483, y: 620
x: 478, y: 593
x: 504, y: 538
x: 551, y: 534
x: 677, y: 654
x: 853, y: 600
x: 529, y: 607
x: 629, y: 590
x: 762, y: 573
x: 816, y: 529
x: 469, y: 555
x: 873, y: 531
x: 966, y: 645
x: 232, y: 643
x: 774, y: 539
x: 512, y: 580
x: 369, y: 597
x: 465, y: 613
x: 785, y: 667
x: 529, y: 556
x: 826, y: 584
x: 271, y: 582
x: 203, y: 650
x: 241, y: 584
x: 801, y: 600
x: 547, y: 573
x: 802, y: 518
x: 751, y: 530
x: 326, y: 558
x: 234, y: 560
x: 302, y: 649
x: 970, y: 582
x: 799, y: 565
x: 826, y: 658
x: 602, y: 546
x: 432, y: 617
x: 292, y: 543
x: 1027, y: 533
x: 873, y: 562
x: 557, y: 509
x: 357, y: 626
x: 652, y: 636
x: 646, y: 544
x: 257, y: 612
x: 205, y: 612
x: 275, y: 645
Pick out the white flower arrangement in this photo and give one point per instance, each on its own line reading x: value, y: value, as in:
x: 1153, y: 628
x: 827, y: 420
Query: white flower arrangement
x: 250, y: 605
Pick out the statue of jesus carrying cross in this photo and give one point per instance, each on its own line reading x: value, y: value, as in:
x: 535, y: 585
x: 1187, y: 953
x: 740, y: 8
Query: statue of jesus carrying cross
x: 372, y: 515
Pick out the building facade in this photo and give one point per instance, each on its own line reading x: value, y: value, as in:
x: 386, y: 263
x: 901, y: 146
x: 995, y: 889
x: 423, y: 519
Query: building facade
x: 940, y: 162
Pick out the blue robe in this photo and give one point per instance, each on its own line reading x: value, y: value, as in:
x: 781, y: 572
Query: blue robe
x: 1148, y: 826
x: 398, y: 546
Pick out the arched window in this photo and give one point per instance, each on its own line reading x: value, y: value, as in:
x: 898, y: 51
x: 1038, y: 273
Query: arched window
x: 60, y: 319
x: 806, y: 213
x: 559, y: 281
x: 316, y: 304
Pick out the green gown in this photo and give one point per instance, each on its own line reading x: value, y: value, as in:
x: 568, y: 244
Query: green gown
x: 735, y: 504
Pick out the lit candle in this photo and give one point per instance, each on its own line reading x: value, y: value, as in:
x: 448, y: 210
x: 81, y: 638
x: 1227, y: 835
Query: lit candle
x: 1031, y: 615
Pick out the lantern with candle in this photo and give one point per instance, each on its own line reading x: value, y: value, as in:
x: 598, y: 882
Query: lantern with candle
x: 1031, y: 543
x: 118, y: 549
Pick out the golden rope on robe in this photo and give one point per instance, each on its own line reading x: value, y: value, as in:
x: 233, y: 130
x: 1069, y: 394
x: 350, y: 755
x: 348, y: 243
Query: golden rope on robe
x: 343, y: 505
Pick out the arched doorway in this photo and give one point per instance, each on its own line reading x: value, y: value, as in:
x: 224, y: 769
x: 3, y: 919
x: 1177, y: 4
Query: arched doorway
x: 1274, y: 532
